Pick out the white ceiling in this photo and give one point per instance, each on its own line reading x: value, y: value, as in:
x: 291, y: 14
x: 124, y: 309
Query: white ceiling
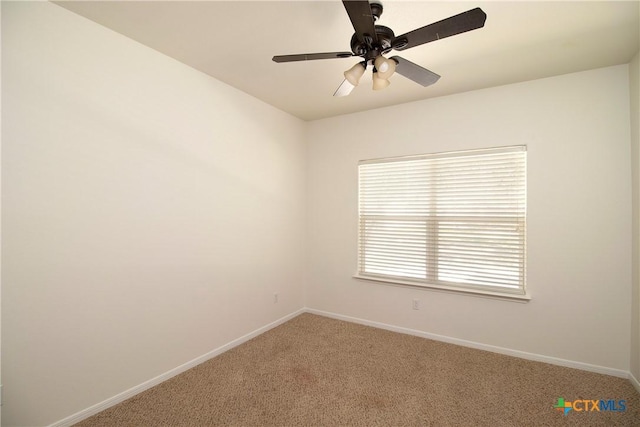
x: 234, y: 42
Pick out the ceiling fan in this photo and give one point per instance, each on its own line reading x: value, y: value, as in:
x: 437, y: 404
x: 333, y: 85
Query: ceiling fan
x: 371, y: 42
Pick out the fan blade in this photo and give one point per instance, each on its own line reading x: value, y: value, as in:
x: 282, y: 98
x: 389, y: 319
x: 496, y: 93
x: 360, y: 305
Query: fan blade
x: 310, y: 56
x: 344, y: 89
x: 362, y: 20
x: 461, y: 23
x: 415, y: 72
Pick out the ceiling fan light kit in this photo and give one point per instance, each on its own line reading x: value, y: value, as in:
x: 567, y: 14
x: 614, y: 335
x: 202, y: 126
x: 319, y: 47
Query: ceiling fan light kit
x: 371, y: 42
x: 379, y: 82
x: 385, y: 67
x: 354, y: 74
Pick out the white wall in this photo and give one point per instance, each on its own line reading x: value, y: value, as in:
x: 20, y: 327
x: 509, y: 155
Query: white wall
x: 576, y: 128
x: 0, y: 223
x: 149, y: 213
x: 634, y: 90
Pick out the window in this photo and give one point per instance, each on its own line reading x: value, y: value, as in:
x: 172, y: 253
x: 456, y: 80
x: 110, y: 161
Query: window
x: 449, y: 220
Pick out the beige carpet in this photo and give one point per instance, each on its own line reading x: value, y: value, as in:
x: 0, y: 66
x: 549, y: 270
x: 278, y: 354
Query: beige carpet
x: 317, y: 371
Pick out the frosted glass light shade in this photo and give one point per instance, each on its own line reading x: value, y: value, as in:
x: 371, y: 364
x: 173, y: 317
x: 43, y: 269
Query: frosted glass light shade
x: 386, y: 67
x: 354, y: 74
x: 379, y: 83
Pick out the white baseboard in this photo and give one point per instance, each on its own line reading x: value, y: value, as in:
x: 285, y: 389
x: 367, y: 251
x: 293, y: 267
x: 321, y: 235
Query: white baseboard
x: 634, y: 381
x: 92, y: 410
x: 509, y: 352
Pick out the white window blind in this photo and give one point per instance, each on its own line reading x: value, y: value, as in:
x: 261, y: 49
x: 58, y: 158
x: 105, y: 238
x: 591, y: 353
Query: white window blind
x: 453, y: 220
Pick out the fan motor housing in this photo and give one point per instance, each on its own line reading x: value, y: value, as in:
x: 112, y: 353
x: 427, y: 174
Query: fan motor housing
x: 368, y: 49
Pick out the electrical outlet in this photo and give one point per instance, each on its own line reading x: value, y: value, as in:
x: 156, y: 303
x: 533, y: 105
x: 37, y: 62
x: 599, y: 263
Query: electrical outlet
x: 275, y: 298
x: 416, y: 304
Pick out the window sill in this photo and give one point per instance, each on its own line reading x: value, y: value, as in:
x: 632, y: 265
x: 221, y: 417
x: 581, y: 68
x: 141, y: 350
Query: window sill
x: 471, y: 292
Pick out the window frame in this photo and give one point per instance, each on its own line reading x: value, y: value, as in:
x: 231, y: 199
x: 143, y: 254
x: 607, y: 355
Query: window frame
x: 433, y: 222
